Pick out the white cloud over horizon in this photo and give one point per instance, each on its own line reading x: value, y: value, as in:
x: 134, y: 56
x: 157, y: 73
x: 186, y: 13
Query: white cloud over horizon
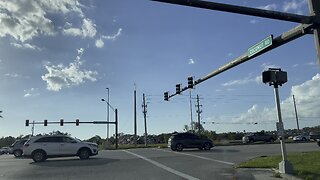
x: 307, y: 97
x: 61, y: 76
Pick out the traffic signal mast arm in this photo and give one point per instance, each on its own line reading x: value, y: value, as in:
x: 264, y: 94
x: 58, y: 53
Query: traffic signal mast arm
x: 244, y: 10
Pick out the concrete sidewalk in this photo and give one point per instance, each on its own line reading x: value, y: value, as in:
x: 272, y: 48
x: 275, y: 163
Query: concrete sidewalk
x: 262, y: 174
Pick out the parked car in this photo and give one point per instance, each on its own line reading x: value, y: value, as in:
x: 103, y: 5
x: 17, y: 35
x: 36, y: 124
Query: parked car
x: 4, y: 150
x: 179, y: 141
x: 314, y: 136
x: 302, y: 137
x: 39, y: 148
x: 318, y: 142
x: 17, y: 147
x: 258, y: 136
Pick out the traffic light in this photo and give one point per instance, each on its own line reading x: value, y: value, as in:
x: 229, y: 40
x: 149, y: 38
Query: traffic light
x: 27, y: 122
x: 77, y: 122
x: 178, y: 89
x: 61, y: 122
x: 166, y: 96
x: 45, y: 123
x: 190, y: 82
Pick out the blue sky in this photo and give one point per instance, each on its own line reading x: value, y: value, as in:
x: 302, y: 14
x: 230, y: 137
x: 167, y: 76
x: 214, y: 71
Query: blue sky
x: 58, y: 57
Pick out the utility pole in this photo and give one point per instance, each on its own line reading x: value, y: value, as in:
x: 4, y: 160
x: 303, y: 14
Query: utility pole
x: 108, y: 101
x: 135, y: 115
x: 144, y: 111
x: 295, y: 110
x: 32, y: 129
x: 191, y: 111
x: 199, y: 111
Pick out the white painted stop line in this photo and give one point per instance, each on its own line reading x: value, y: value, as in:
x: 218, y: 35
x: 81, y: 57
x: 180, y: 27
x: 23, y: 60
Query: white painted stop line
x: 186, y: 176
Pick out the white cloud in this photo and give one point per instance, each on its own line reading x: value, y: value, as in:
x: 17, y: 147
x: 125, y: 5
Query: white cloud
x: 230, y: 54
x: 272, y: 7
x: 294, y: 5
x: 253, y: 21
x: 295, y: 65
x: 100, y: 42
x: 191, y: 61
x: 25, y: 46
x: 312, y: 63
x: 31, y: 93
x: 60, y: 76
x: 24, y: 20
x: 243, y: 81
x: 307, y: 97
x: 113, y: 37
x: 266, y: 66
x: 13, y: 75
x: 88, y: 29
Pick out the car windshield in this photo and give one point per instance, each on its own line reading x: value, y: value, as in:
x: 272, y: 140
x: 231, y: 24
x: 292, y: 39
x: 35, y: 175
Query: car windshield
x: 157, y: 89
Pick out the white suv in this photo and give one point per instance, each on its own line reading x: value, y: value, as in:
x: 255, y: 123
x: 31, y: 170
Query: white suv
x: 39, y: 148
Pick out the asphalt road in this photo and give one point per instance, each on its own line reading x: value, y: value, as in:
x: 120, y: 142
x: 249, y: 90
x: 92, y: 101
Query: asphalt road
x: 218, y: 163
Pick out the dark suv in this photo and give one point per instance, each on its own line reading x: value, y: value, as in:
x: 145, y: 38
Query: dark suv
x: 179, y: 141
x: 16, y: 147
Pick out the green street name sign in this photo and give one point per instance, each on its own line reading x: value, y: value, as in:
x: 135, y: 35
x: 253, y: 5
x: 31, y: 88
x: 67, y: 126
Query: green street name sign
x: 260, y: 46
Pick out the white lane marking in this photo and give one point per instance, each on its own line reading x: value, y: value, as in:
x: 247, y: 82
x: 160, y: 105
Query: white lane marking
x: 209, y: 159
x: 186, y: 176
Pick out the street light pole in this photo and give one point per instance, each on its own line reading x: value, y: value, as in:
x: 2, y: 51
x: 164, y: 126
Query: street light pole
x: 108, y: 100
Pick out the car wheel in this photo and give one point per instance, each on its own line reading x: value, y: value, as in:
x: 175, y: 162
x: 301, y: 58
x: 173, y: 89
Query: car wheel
x: 207, y: 146
x: 17, y: 153
x: 84, y: 154
x: 304, y: 139
x: 39, y: 156
x: 179, y: 147
x: 271, y: 140
x: 251, y: 141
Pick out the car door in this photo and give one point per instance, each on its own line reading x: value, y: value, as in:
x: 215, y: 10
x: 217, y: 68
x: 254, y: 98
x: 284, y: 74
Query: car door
x: 49, y: 145
x: 191, y: 140
x: 68, y: 146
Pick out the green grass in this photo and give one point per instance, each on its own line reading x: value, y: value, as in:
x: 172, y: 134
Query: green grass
x: 306, y: 165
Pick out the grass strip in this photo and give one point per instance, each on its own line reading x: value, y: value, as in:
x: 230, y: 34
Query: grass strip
x: 306, y: 164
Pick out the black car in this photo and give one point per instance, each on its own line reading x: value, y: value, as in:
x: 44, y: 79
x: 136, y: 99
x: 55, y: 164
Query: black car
x: 179, y: 141
x: 318, y: 142
x: 16, y: 147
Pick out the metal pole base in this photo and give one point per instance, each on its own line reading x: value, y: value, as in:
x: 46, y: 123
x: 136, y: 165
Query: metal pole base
x: 285, y: 167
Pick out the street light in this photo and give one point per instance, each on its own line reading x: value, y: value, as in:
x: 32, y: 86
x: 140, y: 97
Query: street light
x: 108, y: 100
x: 116, y: 120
